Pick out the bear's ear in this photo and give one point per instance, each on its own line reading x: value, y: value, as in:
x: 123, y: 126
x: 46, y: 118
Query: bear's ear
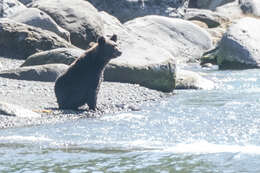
x: 114, y: 38
x: 101, y: 40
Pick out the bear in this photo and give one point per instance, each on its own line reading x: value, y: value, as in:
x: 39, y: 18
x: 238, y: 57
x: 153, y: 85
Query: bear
x: 80, y: 83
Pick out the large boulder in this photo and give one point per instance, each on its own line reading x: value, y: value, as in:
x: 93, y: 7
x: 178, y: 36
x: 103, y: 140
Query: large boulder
x: 126, y: 10
x: 151, y: 72
x: 10, y: 7
x: 141, y: 62
x: 18, y: 40
x: 239, y: 47
x: 17, y: 111
x: 46, y: 73
x: 38, y: 18
x: 54, y: 56
x: 78, y: 17
x: 183, y: 39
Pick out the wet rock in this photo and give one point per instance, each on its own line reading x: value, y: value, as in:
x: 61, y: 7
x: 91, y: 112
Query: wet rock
x: 60, y: 55
x: 239, y: 48
x: 18, y: 40
x: 38, y: 18
x: 191, y: 80
x: 183, y: 39
x: 10, y: 7
x: 16, y: 111
x: 78, y: 17
x: 46, y: 73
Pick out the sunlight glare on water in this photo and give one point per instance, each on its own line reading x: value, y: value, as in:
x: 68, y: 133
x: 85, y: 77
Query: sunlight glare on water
x: 193, y: 131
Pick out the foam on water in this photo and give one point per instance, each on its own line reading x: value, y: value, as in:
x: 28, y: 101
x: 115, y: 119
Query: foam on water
x: 204, y: 147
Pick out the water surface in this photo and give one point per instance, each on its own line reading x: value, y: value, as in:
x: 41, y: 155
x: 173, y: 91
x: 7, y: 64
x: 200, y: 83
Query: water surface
x: 193, y: 131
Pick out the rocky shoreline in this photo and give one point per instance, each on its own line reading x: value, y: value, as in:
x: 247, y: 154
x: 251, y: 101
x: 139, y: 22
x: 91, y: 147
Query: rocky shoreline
x: 156, y: 39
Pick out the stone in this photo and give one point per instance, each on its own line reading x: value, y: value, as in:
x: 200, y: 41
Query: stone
x: 125, y: 10
x: 210, y: 4
x: 184, y: 40
x: 54, y: 56
x: 78, y: 17
x: 212, y: 19
x: 38, y: 18
x: 239, y: 47
x: 10, y: 7
x: 19, y: 41
x: 45, y: 73
x: 191, y: 80
x: 250, y: 7
x: 141, y: 62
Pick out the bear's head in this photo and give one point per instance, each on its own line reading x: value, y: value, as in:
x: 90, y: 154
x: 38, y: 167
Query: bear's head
x: 108, y: 47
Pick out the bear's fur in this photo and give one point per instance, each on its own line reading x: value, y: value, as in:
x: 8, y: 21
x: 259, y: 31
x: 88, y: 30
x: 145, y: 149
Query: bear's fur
x: 80, y: 84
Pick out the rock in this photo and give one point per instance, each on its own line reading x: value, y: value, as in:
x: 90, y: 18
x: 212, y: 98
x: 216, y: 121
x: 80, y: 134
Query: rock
x: 141, y: 62
x: 18, y: 40
x: 54, y: 56
x: 46, y: 73
x: 183, y: 39
x: 250, y: 7
x: 17, y: 111
x: 191, y: 80
x: 10, y: 8
x: 126, y: 10
x: 209, y: 57
x: 26, y: 2
x: 212, y: 19
x: 210, y: 4
x: 38, y: 18
x: 231, y: 9
x: 78, y: 17
x: 239, y: 48
x: 150, y: 72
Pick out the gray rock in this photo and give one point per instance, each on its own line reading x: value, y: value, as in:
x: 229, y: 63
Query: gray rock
x: 60, y: 56
x: 18, y: 40
x: 183, y: 39
x: 10, y: 7
x: 38, y: 18
x: 231, y: 9
x: 26, y: 2
x: 46, y: 73
x: 250, y: 7
x: 210, y: 4
x: 212, y: 19
x: 191, y: 80
x: 151, y: 73
x: 239, y: 47
x: 126, y: 10
x: 78, y: 17
x: 16, y: 111
x: 141, y: 62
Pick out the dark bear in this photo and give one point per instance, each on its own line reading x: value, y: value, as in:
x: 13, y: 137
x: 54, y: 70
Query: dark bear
x: 80, y: 84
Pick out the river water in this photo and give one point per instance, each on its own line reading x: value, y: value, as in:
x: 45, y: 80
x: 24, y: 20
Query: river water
x: 192, y: 131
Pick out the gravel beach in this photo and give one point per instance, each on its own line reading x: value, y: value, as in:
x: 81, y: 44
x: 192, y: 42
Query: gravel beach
x: 39, y: 97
